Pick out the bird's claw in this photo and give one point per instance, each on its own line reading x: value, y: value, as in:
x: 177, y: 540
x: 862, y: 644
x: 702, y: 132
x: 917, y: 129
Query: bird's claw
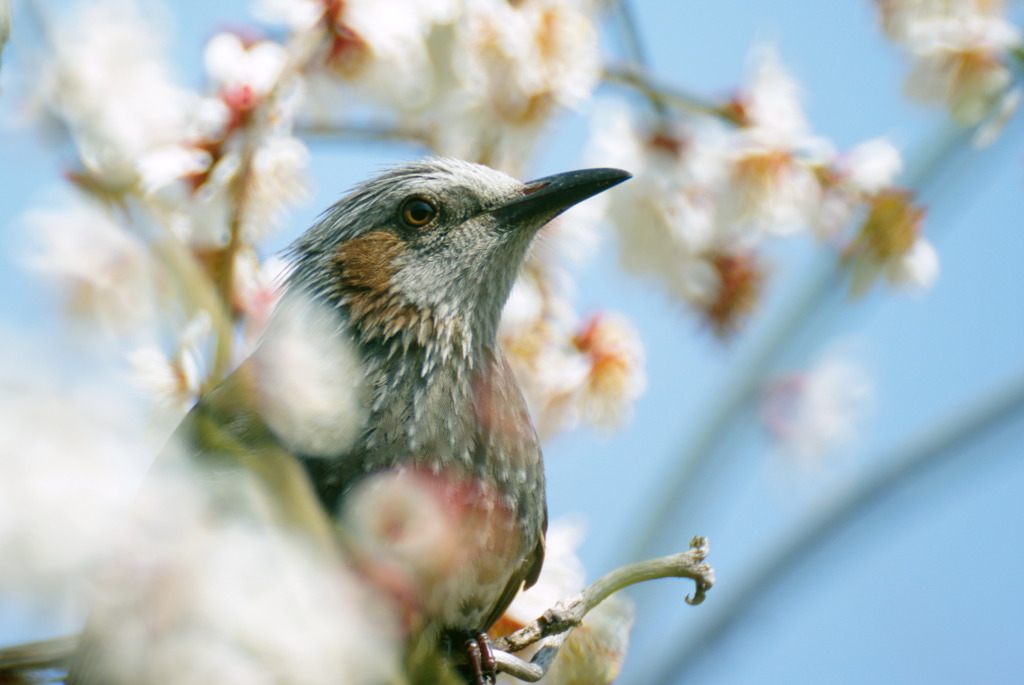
x: 482, y: 663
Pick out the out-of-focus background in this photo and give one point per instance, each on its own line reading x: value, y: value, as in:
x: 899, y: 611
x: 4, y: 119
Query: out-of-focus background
x: 855, y: 462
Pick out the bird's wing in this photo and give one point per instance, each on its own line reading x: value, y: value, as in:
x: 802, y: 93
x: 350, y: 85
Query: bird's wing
x: 524, y: 577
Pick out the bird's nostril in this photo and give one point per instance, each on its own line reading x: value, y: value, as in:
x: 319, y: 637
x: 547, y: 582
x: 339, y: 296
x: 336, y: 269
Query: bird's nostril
x: 533, y: 188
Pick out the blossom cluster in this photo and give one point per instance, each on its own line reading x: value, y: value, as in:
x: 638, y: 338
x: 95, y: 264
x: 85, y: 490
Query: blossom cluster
x: 175, y: 189
x: 711, y: 191
x: 572, y: 371
x: 172, y: 190
x: 157, y: 242
x: 960, y: 51
x: 480, y: 81
x: 475, y: 80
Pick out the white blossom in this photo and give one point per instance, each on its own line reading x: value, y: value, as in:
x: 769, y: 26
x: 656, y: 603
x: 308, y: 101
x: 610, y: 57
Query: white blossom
x: 666, y: 214
x: 258, y: 287
x: 240, y: 597
x: 436, y: 538
x: 615, y: 378
x: 278, y: 181
x: 105, y: 77
x: 959, y: 51
x: 398, y: 68
x: 772, y: 183
x: 770, y: 101
x: 918, y: 269
x: 73, y: 450
x: 274, y: 180
x: 870, y: 166
x: 297, y: 15
x: 307, y: 378
x: 104, y: 271
x: 771, y: 191
x: 233, y: 64
x: 514, y: 65
x: 817, y: 410
x: 168, y: 163
x: 865, y: 169
x: 174, y: 380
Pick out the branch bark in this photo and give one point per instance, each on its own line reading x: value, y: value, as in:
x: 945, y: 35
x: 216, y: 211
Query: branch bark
x: 552, y: 629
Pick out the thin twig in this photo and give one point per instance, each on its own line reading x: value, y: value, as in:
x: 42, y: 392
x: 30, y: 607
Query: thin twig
x: 349, y: 132
x: 637, y: 78
x: 637, y: 53
x: 299, y: 57
x: 945, y: 441
x: 554, y: 626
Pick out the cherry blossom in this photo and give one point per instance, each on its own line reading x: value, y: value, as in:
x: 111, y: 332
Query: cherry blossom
x: 819, y: 409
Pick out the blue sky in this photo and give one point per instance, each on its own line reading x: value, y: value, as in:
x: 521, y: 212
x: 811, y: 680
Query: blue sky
x: 920, y: 586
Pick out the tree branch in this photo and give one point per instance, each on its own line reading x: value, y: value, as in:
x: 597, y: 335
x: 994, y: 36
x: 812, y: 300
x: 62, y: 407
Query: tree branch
x: 35, y: 657
x: 949, y: 439
x: 552, y: 629
x: 637, y: 78
x: 351, y: 132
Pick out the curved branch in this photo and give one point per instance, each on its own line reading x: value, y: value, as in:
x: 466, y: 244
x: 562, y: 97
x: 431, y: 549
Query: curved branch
x: 945, y: 441
x: 552, y: 629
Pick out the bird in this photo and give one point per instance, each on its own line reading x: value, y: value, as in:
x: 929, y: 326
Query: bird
x: 405, y: 278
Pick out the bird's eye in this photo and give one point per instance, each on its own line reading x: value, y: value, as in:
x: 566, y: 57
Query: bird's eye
x: 417, y: 212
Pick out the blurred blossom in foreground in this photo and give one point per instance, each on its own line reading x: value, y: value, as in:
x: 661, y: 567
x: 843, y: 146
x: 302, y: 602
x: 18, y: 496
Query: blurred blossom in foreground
x: 378, y: 47
x: 240, y: 70
x: 202, y: 167
x: 105, y: 273
x: 174, y: 380
x: 960, y: 50
x: 74, y: 448
x: 815, y: 411
x: 195, y: 578
x: 594, y: 652
x: 258, y: 288
x: 237, y: 601
x: 307, y: 378
x: 436, y: 541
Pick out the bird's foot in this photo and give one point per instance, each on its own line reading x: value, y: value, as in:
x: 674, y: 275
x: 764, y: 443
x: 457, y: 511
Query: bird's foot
x: 482, y: 664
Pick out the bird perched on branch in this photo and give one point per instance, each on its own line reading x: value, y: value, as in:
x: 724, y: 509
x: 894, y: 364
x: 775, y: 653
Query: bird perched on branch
x: 401, y: 286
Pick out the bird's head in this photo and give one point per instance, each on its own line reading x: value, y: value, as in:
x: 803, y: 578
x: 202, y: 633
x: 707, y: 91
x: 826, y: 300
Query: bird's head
x: 429, y: 251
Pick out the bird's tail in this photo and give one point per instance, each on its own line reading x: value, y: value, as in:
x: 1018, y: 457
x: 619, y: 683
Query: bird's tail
x: 45, y: 661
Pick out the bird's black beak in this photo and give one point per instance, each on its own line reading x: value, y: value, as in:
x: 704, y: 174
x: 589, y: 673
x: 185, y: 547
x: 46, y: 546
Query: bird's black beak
x: 548, y: 197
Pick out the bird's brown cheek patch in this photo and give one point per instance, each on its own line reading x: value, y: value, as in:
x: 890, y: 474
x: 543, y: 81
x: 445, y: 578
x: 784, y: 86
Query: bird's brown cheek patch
x: 367, y: 263
x: 366, y: 266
